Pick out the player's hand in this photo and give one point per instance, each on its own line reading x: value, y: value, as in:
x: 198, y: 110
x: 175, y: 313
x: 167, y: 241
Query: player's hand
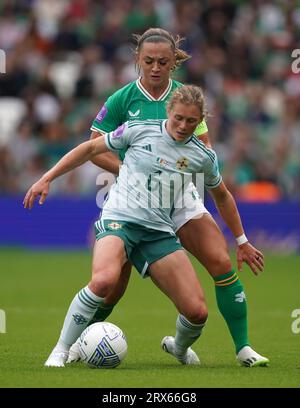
x: 252, y: 256
x: 40, y: 188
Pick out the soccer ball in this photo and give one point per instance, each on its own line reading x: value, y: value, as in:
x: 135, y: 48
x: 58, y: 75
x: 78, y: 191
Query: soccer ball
x: 102, y: 345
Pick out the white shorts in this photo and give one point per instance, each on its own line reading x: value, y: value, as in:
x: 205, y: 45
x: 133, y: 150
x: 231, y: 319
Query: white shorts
x: 193, y: 207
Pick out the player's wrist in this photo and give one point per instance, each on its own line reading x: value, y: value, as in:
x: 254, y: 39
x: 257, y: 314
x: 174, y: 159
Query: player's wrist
x: 46, y: 178
x: 242, y: 239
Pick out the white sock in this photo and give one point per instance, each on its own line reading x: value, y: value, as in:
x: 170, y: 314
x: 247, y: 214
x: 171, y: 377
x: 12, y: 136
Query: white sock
x: 81, y: 310
x: 186, y: 334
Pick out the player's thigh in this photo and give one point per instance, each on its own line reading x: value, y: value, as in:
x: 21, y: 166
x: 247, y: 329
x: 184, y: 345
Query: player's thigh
x: 109, y: 254
x: 175, y: 276
x: 115, y: 242
x: 119, y: 289
x: 203, y: 238
x: 109, y: 257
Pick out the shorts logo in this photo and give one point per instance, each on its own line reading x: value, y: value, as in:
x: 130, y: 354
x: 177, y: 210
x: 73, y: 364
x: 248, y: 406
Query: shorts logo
x: 114, y: 226
x: 118, y: 132
x: 101, y: 115
x: 182, y: 163
x: 134, y: 114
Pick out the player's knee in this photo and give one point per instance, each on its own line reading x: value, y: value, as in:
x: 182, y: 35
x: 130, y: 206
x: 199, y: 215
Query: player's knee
x: 197, y: 313
x: 220, y: 264
x: 103, y: 283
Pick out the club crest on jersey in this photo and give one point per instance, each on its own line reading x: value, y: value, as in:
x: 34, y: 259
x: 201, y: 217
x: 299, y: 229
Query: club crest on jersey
x: 134, y: 114
x: 114, y: 226
x: 182, y: 163
x: 118, y: 132
x: 101, y: 115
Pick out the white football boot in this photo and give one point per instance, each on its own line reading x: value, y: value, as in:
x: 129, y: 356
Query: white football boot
x: 189, y: 358
x: 74, y: 355
x: 247, y: 357
x: 57, y: 358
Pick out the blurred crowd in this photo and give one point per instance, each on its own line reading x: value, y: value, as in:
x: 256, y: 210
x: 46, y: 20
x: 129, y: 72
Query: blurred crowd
x: 65, y: 57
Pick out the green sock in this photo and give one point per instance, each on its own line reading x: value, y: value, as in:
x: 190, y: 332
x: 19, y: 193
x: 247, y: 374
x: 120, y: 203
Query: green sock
x: 232, y: 304
x: 102, y: 313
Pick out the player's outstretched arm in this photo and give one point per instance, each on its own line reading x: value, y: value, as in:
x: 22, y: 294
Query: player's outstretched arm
x: 229, y: 212
x: 81, y: 154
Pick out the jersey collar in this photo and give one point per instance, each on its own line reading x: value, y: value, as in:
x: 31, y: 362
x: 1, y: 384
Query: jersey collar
x: 147, y: 94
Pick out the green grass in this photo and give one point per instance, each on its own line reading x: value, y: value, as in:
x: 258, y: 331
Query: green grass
x: 35, y: 292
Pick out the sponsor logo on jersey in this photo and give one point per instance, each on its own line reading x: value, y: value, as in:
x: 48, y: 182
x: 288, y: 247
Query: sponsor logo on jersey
x: 114, y: 226
x: 102, y: 113
x: 134, y: 114
x: 147, y: 147
x: 162, y: 162
x: 118, y: 132
x: 182, y: 163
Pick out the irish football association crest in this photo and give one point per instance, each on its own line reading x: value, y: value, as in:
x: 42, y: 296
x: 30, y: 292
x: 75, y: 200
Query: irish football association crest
x: 114, y: 226
x: 182, y: 163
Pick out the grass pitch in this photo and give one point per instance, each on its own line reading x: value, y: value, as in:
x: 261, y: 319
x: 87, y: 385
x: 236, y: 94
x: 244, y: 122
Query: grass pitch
x: 35, y: 292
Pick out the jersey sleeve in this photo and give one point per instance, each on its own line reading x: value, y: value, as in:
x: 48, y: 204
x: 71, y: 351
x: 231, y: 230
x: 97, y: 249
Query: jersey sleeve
x: 109, y: 116
x: 120, y: 138
x: 201, y: 128
x: 212, y: 176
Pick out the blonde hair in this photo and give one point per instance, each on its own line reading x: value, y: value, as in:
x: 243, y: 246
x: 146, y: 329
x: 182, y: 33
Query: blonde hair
x: 159, y: 35
x: 188, y: 95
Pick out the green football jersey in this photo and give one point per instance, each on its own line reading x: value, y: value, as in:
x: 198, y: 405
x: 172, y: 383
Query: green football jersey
x: 133, y: 102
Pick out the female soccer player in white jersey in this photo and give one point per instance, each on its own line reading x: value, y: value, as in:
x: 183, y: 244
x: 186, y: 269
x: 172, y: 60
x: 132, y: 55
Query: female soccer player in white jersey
x: 158, y: 53
x: 129, y: 229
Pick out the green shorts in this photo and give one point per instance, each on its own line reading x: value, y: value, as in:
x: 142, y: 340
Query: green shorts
x: 143, y: 245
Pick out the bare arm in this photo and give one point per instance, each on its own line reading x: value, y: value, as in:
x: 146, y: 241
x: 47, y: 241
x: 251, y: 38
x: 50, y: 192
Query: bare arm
x: 228, y: 210
x: 81, y: 154
x: 107, y: 161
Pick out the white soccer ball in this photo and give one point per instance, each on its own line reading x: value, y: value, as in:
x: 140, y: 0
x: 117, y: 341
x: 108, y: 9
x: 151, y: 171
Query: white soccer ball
x: 102, y: 345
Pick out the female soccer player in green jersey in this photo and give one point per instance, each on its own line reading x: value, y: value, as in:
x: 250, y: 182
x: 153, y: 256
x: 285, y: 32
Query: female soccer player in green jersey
x: 130, y: 228
x: 158, y: 53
